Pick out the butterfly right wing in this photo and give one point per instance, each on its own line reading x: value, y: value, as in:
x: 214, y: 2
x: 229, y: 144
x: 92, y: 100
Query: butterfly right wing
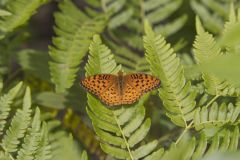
x: 135, y: 85
x: 112, y: 96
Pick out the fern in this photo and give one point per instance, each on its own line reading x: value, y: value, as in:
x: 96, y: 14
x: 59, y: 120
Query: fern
x: 5, y: 103
x: 206, y: 49
x: 158, y: 11
x: 74, y: 30
x: 196, y: 148
x: 124, y: 12
x: 19, y: 125
x: 121, y: 130
x: 216, y: 116
x: 82, y: 132
x: 31, y: 148
x: 19, y: 141
x: 175, y: 92
x: 21, y: 11
x: 63, y: 145
x: 213, y: 22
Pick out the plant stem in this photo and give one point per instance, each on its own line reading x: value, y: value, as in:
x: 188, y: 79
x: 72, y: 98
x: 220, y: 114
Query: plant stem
x: 214, y: 98
x: 185, y: 130
x: 125, y: 140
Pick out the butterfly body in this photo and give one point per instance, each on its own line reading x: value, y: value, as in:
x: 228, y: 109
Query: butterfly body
x: 120, y: 89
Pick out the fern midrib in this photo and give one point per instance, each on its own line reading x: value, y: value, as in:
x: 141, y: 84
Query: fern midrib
x: 125, y: 140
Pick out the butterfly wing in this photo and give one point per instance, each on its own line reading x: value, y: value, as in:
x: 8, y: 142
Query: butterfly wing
x: 135, y: 85
x: 104, y: 86
x: 97, y: 84
x: 112, y: 96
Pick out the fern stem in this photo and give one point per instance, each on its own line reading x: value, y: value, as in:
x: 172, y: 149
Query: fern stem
x: 125, y: 140
x: 9, y: 154
x: 185, y: 130
x: 214, y: 98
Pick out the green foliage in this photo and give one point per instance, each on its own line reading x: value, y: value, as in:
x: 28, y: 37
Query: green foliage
x: 216, y: 116
x: 194, y: 114
x: 74, y: 31
x: 15, y: 16
x: 158, y: 11
x: 121, y: 130
x: 205, y: 50
x: 175, y: 92
x: 63, y: 145
x: 24, y: 137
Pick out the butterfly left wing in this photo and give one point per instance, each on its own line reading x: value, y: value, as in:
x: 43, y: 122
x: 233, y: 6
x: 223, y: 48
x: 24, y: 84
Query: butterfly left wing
x: 97, y: 84
x: 135, y: 85
x: 130, y: 94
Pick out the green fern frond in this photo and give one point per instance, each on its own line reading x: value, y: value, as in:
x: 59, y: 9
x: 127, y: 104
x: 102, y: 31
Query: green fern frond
x: 64, y: 147
x: 216, y: 116
x: 213, y: 22
x: 74, y: 31
x: 196, y: 148
x: 158, y: 11
x: 20, y: 140
x: 175, y: 91
x: 205, y: 49
x: 121, y: 12
x: 31, y: 140
x: 5, y: 103
x: 44, y: 151
x: 232, y: 18
x: 122, y: 129
x: 232, y: 23
x: 130, y: 61
x: 82, y: 132
x: 4, y: 13
x: 84, y: 156
x: 19, y: 125
x: 21, y: 11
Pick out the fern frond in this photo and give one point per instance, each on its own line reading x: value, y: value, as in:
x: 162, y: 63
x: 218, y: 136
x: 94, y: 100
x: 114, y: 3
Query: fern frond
x: 4, y: 13
x: 158, y: 11
x: 74, y: 30
x: 31, y: 140
x: 232, y: 23
x: 19, y: 125
x: 212, y: 22
x: 216, y: 116
x: 83, y: 133
x: 232, y: 18
x: 122, y: 13
x: 197, y: 148
x: 64, y: 147
x: 84, y: 156
x: 5, y: 103
x: 44, y: 151
x: 21, y: 11
x: 175, y: 91
x: 205, y: 49
x: 121, y: 130
x: 131, y: 62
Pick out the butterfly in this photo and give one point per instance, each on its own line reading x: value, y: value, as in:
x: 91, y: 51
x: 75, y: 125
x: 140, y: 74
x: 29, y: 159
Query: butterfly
x: 115, y: 90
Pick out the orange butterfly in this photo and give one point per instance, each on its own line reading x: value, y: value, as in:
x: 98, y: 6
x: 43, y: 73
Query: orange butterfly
x: 122, y: 89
